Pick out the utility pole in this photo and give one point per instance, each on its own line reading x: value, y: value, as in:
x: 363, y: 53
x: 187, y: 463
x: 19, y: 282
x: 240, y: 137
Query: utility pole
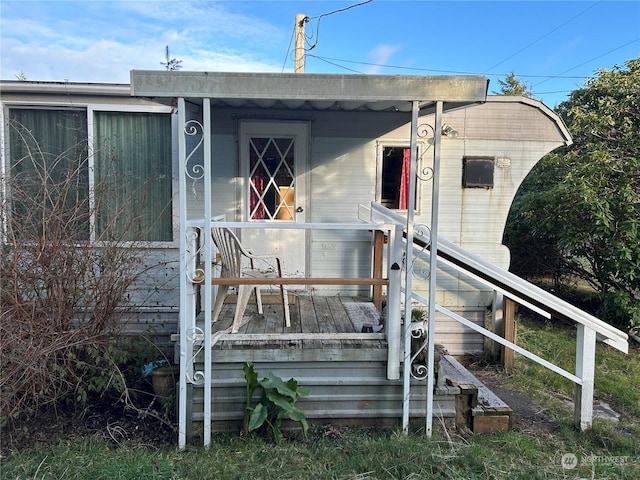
x: 301, y: 19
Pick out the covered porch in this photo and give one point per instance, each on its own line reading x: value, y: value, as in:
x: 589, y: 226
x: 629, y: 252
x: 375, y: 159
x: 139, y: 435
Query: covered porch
x: 306, y: 131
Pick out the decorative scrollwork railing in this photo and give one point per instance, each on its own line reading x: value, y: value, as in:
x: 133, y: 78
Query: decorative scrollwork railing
x: 195, y: 337
x: 193, y: 169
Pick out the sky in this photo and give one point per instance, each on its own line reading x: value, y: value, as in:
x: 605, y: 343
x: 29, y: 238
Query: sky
x: 552, y: 46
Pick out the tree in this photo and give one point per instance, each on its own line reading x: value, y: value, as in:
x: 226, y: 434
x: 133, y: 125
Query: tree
x: 170, y: 64
x: 584, y: 201
x: 512, y: 85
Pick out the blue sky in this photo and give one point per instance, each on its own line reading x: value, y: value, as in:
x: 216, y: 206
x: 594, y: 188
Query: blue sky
x: 551, y: 45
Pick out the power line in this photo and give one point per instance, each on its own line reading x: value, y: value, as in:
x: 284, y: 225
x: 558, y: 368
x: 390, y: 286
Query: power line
x: 544, y: 36
x: 341, y: 10
x: 456, y: 72
x: 293, y: 32
x: 326, y: 60
x: 319, y: 17
x: 588, y: 61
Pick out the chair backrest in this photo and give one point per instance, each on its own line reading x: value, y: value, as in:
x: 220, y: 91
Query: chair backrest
x: 230, y: 251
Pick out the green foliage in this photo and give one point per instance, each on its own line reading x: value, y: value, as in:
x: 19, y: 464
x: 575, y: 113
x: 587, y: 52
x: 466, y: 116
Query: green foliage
x: 577, y: 214
x: 512, y: 85
x: 277, y: 402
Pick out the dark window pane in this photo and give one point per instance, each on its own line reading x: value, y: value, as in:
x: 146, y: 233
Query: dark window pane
x: 49, y: 186
x: 133, y: 176
x: 477, y: 172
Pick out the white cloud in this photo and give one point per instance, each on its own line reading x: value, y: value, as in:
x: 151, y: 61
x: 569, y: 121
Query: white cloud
x: 103, y: 41
x: 380, y: 55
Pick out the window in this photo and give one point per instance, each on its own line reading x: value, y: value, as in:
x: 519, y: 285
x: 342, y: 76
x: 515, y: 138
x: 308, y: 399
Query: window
x: 477, y: 172
x: 133, y: 176
x: 49, y: 169
x: 124, y: 190
x: 272, y: 178
x: 395, y: 177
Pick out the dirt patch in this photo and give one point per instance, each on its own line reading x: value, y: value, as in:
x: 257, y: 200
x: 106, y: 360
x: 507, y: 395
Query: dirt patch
x: 528, y: 416
x: 104, y: 419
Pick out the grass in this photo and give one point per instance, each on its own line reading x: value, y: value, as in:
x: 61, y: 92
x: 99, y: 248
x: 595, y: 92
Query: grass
x: 608, y: 451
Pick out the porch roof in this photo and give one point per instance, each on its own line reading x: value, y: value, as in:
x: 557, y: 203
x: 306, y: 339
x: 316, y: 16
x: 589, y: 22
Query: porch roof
x: 313, y: 91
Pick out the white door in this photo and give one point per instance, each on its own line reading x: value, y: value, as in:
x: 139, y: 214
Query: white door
x: 273, y: 162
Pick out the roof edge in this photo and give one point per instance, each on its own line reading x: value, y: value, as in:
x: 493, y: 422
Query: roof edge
x: 309, y: 86
x: 75, y: 88
x: 532, y: 102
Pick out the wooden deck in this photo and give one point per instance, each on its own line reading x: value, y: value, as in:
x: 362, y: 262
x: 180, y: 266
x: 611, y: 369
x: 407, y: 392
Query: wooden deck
x: 316, y: 322
x: 327, y: 352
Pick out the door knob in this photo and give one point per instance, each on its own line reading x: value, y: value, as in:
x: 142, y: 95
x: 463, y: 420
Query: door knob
x: 299, y: 209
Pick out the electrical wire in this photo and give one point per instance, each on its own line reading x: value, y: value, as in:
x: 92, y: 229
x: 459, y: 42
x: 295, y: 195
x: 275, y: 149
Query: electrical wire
x: 341, y: 9
x: 335, y: 64
x: 588, y: 61
x: 293, y: 32
x: 319, y: 17
x: 543, y: 37
x: 455, y: 72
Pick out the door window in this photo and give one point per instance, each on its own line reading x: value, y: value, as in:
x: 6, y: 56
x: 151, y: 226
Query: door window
x: 271, y: 178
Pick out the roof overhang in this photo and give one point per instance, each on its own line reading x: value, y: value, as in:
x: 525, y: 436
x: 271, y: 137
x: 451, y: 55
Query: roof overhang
x: 64, y: 88
x: 312, y: 91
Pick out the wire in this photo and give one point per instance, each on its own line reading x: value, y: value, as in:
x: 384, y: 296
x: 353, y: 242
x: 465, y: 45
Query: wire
x: 319, y: 17
x: 588, y: 61
x: 335, y: 64
x: 293, y: 32
x: 544, y: 36
x: 341, y: 10
x: 457, y: 72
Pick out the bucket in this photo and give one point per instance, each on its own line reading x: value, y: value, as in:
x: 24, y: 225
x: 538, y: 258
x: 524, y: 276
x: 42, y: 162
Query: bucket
x: 164, y: 380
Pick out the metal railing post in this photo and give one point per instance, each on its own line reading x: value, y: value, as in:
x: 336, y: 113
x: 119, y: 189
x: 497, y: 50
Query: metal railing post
x: 394, y: 307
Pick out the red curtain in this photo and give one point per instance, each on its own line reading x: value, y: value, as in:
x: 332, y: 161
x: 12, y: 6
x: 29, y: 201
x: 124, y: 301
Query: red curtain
x: 403, y: 201
x: 257, y: 190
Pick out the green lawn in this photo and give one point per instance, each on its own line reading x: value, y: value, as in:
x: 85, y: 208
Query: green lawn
x: 608, y: 451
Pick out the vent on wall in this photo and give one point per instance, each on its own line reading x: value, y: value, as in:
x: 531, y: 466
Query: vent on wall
x: 477, y: 172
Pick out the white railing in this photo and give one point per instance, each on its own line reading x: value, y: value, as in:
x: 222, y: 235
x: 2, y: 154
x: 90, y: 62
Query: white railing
x: 197, y: 338
x: 589, y: 328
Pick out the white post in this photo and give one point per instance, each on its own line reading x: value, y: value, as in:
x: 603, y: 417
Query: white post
x: 208, y: 260
x: 408, y: 260
x: 497, y: 317
x: 585, y: 369
x: 182, y: 182
x: 433, y: 265
x: 394, y: 307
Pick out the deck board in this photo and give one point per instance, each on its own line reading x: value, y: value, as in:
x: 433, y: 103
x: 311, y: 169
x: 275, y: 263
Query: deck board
x: 309, y: 315
x: 308, y: 321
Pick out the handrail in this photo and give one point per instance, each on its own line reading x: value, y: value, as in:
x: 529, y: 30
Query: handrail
x: 511, y: 285
x: 589, y: 328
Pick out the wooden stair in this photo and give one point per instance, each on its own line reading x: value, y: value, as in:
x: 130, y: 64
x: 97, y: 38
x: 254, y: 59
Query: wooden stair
x: 478, y: 407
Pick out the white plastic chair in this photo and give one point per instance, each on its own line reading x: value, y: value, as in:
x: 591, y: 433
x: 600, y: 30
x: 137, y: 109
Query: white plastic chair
x: 232, y: 254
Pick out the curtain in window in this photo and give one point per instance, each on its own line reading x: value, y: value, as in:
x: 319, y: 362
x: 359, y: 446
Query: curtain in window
x: 133, y: 176
x: 49, y: 170
x: 256, y: 204
x: 403, y: 201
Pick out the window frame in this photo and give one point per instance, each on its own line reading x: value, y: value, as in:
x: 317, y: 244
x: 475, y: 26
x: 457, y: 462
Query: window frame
x: 485, y: 158
x: 89, y: 108
x: 380, y: 147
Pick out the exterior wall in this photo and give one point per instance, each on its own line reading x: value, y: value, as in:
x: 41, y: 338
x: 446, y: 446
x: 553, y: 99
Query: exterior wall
x: 342, y: 173
x: 517, y: 132
x: 153, y: 301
